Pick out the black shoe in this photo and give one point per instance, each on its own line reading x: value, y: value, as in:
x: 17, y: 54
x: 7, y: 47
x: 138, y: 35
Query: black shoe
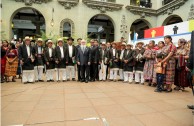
x: 36, y: 80
x: 25, y: 82
x: 82, y: 80
x: 41, y: 80
x: 68, y: 79
x: 48, y: 80
x: 136, y: 82
x: 31, y: 82
x: 73, y: 79
x: 157, y: 90
x: 52, y: 81
x: 190, y: 106
x: 64, y: 80
x: 86, y: 81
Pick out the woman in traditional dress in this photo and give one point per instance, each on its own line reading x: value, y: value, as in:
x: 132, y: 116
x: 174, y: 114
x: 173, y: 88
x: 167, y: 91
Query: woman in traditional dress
x: 169, y: 51
x: 181, y: 57
x: 11, y: 62
x: 4, y: 48
x: 149, y: 55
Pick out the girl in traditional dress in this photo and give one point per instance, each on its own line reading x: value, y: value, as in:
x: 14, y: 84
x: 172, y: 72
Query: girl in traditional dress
x: 11, y: 63
x: 149, y: 55
x: 4, y: 48
x: 181, y: 57
x: 169, y: 51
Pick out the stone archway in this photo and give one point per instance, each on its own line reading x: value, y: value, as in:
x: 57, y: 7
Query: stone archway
x: 27, y: 21
x: 138, y: 26
x: 62, y: 26
x: 172, y: 19
x: 101, y: 27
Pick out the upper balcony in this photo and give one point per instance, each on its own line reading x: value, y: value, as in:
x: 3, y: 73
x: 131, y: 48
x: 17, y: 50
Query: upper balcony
x: 103, y: 5
x: 168, y: 7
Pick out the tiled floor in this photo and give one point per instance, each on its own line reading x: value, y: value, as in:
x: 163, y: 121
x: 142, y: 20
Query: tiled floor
x: 68, y: 103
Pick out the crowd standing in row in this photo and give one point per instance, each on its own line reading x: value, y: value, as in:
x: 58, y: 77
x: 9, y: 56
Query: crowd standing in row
x: 161, y: 65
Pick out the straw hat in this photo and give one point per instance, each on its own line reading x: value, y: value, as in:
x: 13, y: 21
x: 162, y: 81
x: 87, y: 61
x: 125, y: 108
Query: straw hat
x: 39, y: 40
x: 103, y: 43
x: 27, y: 38
x: 60, y: 40
x: 123, y: 44
x: 49, y: 41
x: 140, y: 43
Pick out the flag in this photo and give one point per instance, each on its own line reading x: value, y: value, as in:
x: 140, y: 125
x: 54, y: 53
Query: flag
x: 191, y: 25
x: 177, y: 28
x: 135, y: 35
x: 154, y: 32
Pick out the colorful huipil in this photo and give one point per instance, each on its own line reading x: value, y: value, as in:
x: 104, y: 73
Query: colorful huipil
x: 170, y: 67
x: 149, y: 63
x: 11, y: 68
x: 180, y: 71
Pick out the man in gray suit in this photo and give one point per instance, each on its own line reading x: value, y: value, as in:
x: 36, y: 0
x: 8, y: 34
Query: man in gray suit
x: 84, y: 60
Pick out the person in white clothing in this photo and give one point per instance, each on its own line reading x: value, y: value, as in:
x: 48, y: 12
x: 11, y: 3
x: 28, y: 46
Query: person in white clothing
x: 26, y: 58
x: 71, y: 59
x: 50, y: 61
x: 103, y: 62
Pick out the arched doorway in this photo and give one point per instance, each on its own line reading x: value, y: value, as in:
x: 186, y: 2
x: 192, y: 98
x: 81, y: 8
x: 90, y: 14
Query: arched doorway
x: 67, y: 28
x: 138, y: 27
x: 27, y: 22
x: 173, y: 19
x: 101, y: 27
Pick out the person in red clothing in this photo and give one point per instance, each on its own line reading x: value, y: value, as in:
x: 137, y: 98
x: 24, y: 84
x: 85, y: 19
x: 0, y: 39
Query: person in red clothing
x: 4, y: 48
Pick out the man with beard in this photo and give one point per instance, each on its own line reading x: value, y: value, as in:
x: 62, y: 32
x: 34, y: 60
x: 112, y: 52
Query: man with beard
x: 84, y: 60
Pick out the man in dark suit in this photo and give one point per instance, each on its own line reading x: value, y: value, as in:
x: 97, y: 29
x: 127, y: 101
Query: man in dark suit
x: 94, y: 60
x: 190, y: 66
x: 78, y: 66
x: 61, y: 59
x: 71, y: 58
x: 121, y: 53
x: 50, y: 61
x: 26, y: 58
x: 84, y: 60
x: 38, y: 50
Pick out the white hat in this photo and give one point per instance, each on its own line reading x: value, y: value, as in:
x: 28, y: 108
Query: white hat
x: 103, y: 43
x: 123, y: 43
x: 60, y: 39
x: 140, y: 43
x: 49, y: 41
x: 39, y: 40
x: 27, y: 38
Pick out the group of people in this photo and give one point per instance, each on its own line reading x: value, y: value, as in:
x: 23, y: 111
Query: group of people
x: 160, y: 65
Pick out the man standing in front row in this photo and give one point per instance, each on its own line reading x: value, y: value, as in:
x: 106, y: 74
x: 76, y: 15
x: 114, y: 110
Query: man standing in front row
x: 84, y: 60
x: 78, y: 66
x: 61, y: 59
x: 71, y: 59
x: 26, y: 58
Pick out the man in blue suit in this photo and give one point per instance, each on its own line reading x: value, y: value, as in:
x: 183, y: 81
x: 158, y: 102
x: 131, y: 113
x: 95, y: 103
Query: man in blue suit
x: 84, y: 60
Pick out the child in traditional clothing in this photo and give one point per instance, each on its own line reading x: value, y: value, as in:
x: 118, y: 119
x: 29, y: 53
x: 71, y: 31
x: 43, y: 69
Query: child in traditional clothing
x: 160, y: 72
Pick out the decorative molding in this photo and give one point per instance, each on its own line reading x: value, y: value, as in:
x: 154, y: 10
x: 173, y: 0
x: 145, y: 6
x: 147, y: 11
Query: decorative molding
x: 30, y: 2
x: 68, y: 4
x: 141, y: 11
x: 62, y: 26
x: 123, y: 29
x: 103, y: 6
x: 166, y: 9
x: 191, y: 13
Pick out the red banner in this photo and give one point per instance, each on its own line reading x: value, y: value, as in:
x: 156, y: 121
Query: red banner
x: 154, y: 32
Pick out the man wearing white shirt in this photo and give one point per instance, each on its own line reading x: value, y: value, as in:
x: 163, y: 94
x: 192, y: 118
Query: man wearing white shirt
x: 26, y: 58
x: 61, y: 60
x: 71, y: 59
x: 39, y: 60
x: 121, y: 53
x: 50, y: 61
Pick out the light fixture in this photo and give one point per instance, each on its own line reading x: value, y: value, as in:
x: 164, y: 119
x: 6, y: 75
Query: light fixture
x: 12, y: 25
x: 52, y: 20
